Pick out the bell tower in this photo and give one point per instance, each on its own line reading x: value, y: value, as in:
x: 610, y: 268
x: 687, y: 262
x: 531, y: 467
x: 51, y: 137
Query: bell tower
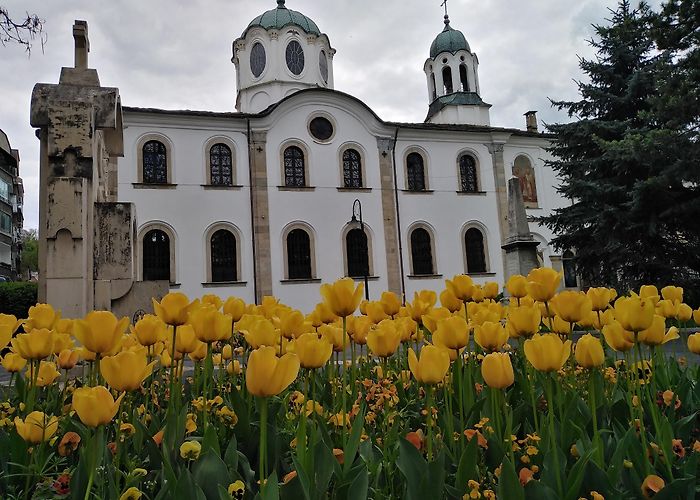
x: 453, y: 80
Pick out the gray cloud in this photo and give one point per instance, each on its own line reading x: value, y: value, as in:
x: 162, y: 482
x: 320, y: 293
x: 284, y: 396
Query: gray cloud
x: 176, y: 55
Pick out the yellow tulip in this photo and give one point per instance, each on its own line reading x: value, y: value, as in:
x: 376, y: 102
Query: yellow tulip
x: 199, y: 352
x: 693, y: 343
x: 672, y: 293
x: 546, y: 310
x: 524, y: 321
x: 210, y: 325
x: 618, y: 338
x: 235, y: 308
x: 8, y: 326
x: 127, y: 370
x: 95, y: 406
x: 259, y: 332
x: 656, y: 334
x: 100, y: 331
x: 461, y: 287
x: 449, y: 301
x: 36, y: 427
x: 517, y: 286
x: 600, y: 297
x: 132, y: 493
x: 452, y: 332
x: 62, y: 341
x: 558, y: 325
x: 547, y: 353
x: 634, y: 313
x: 46, y: 374
x: 483, y: 312
x: 542, y: 283
x: 666, y: 308
x: 491, y: 290
x: 422, y: 303
x: 478, y: 294
x: 209, y: 299
x: 649, y: 292
x: 174, y: 308
x: 598, y: 319
x: 589, y: 352
x: 13, y: 362
x: 41, y: 316
x: 293, y: 324
x: 233, y: 367
x: 375, y: 312
x: 684, y: 312
x: 572, y: 306
x: 391, y: 303
x: 384, y: 339
x: 360, y: 329
x: 37, y: 344
x: 436, y: 314
x: 267, y: 375
x: 67, y: 359
x: 432, y: 366
x: 149, y: 330
x: 334, y: 335
x: 407, y: 327
x: 186, y: 340
x: 696, y: 316
x: 342, y: 297
x: 497, y: 370
x: 313, y: 352
x: 491, y: 336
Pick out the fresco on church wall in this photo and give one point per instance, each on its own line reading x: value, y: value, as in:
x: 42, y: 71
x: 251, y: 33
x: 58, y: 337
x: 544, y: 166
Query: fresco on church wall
x: 522, y: 169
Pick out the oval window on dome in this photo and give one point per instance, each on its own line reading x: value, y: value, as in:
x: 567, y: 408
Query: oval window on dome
x: 257, y: 59
x: 323, y: 65
x: 321, y: 128
x: 295, y: 57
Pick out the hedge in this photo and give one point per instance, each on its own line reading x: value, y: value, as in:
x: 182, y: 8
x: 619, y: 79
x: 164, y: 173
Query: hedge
x: 16, y: 297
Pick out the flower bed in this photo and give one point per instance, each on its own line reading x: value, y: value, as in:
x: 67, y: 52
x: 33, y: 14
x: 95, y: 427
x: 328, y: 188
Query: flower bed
x: 478, y: 397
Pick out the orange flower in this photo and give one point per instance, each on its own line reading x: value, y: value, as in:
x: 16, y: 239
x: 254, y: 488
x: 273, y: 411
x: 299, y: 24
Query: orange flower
x: 288, y: 477
x: 339, y: 455
x: 69, y: 443
x: 652, y: 485
x: 416, y: 439
x: 677, y: 446
x: 158, y: 437
x: 480, y: 439
x: 525, y: 475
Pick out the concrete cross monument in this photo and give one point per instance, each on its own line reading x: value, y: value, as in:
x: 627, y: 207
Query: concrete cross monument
x: 87, y: 250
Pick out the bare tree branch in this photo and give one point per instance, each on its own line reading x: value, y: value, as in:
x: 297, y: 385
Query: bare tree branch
x: 23, y: 31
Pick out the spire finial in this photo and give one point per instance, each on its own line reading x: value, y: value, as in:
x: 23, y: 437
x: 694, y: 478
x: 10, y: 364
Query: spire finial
x: 280, y: 4
x: 447, y: 17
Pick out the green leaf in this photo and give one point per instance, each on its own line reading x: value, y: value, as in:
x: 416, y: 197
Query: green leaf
x: 535, y: 490
x: 575, y: 477
x: 353, y: 442
x: 412, y: 466
x: 231, y: 454
x: 358, y: 488
x: 185, y: 486
x: 467, y: 468
x: 678, y: 488
x: 615, y: 464
x: 209, y: 471
x: 271, y: 489
x: 508, y: 484
x: 323, y: 470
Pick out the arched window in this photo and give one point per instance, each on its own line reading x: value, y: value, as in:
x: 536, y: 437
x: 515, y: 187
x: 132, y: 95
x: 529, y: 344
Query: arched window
x: 476, y: 255
x: 447, y: 79
x: 221, y: 165
x: 352, y: 169
x: 433, y: 89
x: 421, y: 252
x: 298, y: 254
x: 357, y: 252
x: 155, y: 163
x: 463, y: 78
x: 294, y: 170
x: 415, y: 172
x: 467, y: 174
x: 569, y: 268
x: 156, y: 256
x: 223, y: 256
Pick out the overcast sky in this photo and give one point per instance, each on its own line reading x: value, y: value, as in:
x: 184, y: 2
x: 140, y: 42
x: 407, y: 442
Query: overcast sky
x: 175, y: 54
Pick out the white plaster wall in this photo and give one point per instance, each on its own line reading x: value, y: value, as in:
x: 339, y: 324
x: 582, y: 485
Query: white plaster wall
x: 189, y: 208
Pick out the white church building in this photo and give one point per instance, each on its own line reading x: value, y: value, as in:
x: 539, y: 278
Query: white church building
x: 258, y: 201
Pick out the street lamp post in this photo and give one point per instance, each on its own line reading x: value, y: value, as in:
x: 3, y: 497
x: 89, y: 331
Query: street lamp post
x: 354, y: 222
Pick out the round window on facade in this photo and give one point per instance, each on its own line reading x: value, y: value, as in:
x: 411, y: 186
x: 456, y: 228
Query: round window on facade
x: 257, y: 59
x: 323, y: 65
x: 295, y: 57
x: 321, y: 128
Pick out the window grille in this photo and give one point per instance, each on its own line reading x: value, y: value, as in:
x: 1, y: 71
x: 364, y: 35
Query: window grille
x: 223, y: 256
x: 357, y: 253
x: 421, y: 252
x: 352, y: 169
x: 156, y: 256
x: 155, y: 163
x: 298, y: 254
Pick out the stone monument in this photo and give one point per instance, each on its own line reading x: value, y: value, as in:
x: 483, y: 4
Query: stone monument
x: 87, y: 239
x: 520, y: 245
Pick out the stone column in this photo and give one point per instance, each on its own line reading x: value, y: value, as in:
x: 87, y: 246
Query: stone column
x: 520, y: 247
x: 499, y: 177
x: 261, y: 214
x: 385, y: 146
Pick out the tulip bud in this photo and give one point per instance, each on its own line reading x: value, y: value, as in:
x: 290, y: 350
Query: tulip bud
x: 497, y: 370
x: 589, y: 352
x: 67, y: 359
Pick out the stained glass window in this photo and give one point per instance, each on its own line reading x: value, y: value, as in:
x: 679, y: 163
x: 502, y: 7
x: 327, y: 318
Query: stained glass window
x: 295, y: 57
x: 220, y: 164
x: 257, y: 59
x: 155, y: 163
x: 294, y: 172
x: 352, y: 169
x: 467, y: 174
x: 415, y: 172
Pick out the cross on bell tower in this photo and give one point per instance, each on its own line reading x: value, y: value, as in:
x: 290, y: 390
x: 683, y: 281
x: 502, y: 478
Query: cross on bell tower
x: 82, y: 44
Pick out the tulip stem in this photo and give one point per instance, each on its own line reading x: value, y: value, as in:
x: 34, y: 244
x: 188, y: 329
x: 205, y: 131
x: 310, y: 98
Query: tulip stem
x: 552, y: 434
x: 596, y: 435
x: 343, y: 388
x: 173, y: 365
x: 429, y: 420
x: 263, y: 442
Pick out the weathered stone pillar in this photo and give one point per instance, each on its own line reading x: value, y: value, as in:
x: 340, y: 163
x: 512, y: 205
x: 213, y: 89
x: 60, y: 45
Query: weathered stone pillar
x: 520, y: 246
x: 261, y: 214
x: 385, y: 146
x: 499, y: 177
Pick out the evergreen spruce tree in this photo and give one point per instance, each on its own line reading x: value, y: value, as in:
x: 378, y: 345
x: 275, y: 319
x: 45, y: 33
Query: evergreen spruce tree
x: 634, y: 216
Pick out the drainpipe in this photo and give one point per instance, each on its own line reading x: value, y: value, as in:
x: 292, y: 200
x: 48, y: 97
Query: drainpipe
x: 398, y: 218
x: 252, y: 213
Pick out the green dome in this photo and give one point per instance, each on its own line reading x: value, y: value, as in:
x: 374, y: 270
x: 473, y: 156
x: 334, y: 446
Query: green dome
x: 449, y: 40
x: 282, y: 16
